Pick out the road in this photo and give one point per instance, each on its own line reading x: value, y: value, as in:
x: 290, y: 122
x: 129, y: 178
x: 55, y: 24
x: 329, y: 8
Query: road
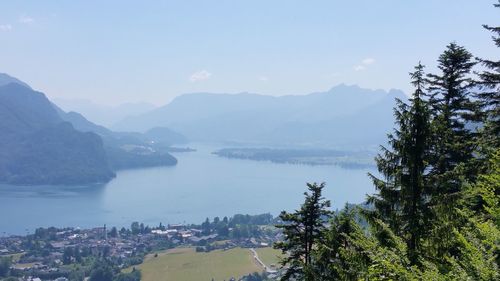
x: 260, y: 262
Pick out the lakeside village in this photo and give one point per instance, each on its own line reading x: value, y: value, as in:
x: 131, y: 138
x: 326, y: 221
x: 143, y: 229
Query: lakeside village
x: 75, y: 254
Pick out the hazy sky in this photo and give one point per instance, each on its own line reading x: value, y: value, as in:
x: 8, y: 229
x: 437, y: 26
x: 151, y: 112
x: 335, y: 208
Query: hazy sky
x: 121, y: 51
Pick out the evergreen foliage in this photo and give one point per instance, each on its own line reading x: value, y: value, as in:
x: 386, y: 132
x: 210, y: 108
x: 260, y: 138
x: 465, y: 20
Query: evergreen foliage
x: 303, y: 232
x: 489, y: 96
x: 402, y: 201
x: 436, y: 212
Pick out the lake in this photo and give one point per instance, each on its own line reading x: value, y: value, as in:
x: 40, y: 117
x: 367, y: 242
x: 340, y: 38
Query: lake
x: 201, y: 185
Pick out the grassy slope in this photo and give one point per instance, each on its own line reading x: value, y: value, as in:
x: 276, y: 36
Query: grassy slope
x: 184, y: 264
x: 269, y: 256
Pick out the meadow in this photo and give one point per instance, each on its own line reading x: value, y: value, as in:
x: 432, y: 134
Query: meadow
x: 269, y: 256
x: 185, y: 264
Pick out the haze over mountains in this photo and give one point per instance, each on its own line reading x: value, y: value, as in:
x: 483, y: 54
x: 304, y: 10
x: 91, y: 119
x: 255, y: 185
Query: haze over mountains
x: 36, y: 147
x: 42, y: 144
x: 345, y: 116
x: 102, y: 114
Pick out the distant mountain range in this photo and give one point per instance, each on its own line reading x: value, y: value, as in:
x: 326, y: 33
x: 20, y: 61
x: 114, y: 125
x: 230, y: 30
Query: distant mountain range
x: 42, y: 144
x: 345, y: 116
x: 101, y: 114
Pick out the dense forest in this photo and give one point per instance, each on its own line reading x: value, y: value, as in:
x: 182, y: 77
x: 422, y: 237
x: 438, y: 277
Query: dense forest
x: 436, y: 212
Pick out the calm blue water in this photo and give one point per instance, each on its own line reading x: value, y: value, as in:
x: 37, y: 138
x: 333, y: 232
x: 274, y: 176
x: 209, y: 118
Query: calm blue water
x: 201, y: 185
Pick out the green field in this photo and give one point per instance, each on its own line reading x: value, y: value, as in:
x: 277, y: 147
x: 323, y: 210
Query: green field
x: 269, y: 256
x: 15, y: 257
x: 184, y: 264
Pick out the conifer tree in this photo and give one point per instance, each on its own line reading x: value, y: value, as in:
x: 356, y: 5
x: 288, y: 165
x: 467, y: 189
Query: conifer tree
x: 338, y: 258
x: 492, y: 75
x: 489, y: 96
x: 450, y: 94
x: 402, y: 201
x: 454, y: 114
x: 303, y: 230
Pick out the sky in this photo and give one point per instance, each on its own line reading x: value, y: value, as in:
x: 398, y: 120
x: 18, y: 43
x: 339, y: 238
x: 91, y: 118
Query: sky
x: 112, y: 52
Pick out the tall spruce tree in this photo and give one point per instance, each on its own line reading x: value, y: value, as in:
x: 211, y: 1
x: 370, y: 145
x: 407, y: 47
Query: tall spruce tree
x: 303, y: 230
x: 402, y: 201
x: 454, y: 143
x: 489, y: 96
x: 450, y: 96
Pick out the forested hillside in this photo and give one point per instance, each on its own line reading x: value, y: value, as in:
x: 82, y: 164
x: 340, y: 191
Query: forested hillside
x: 37, y: 147
x: 42, y: 144
x: 436, y: 212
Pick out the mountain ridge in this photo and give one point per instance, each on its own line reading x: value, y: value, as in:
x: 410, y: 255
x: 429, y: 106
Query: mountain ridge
x: 247, y: 117
x: 37, y: 147
x: 7, y: 79
x: 102, y: 114
x: 42, y: 144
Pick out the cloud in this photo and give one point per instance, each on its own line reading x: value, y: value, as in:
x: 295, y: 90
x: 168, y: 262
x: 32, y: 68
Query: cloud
x: 26, y: 19
x: 368, y: 61
x: 359, y: 67
x: 5, y: 27
x: 200, y: 76
x: 263, y: 78
x: 364, y: 64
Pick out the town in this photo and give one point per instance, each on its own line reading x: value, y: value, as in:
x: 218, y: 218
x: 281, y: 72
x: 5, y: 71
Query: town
x: 76, y: 254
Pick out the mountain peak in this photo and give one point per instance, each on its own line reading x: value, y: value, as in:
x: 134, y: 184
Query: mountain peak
x: 6, y: 79
x: 343, y: 86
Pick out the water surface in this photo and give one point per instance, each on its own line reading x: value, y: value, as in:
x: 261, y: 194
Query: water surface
x: 201, y: 185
